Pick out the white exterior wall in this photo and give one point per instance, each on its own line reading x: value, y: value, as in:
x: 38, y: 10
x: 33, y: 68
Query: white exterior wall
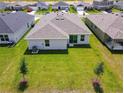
x: 62, y: 7
x: 42, y: 7
x: 55, y: 44
x: 33, y: 8
x: 86, y: 39
x: 80, y: 8
x: 119, y: 4
x: 10, y: 35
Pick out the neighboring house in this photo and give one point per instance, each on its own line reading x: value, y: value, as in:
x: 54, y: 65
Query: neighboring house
x: 17, y: 6
x: 33, y: 7
x: 81, y: 6
x: 3, y: 5
x: 42, y: 5
x: 13, y: 26
x: 103, y: 4
x: 119, y: 4
x: 108, y: 28
x: 61, y: 6
x: 56, y: 31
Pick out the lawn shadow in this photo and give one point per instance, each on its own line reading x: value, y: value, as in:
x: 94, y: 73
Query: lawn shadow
x: 116, y: 51
x: 29, y: 52
x: 7, y: 45
x: 98, y: 88
x: 80, y: 46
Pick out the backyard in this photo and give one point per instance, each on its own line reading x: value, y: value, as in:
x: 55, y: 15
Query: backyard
x: 114, y: 10
x: 93, y: 11
x: 53, y: 73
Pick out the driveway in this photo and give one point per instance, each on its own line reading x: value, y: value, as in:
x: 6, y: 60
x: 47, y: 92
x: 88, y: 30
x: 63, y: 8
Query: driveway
x: 35, y: 15
x: 82, y: 14
x: 104, y: 12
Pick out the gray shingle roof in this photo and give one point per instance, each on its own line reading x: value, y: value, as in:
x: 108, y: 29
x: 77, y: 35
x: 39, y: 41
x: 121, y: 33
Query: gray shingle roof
x: 61, y: 3
x: 65, y: 24
x: 16, y: 4
x: 83, y: 4
x: 12, y: 22
x: 111, y: 24
x: 48, y: 32
x: 42, y: 4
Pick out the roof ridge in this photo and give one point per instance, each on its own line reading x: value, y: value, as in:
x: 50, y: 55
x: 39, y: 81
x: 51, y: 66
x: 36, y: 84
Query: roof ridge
x: 73, y: 22
x: 111, y: 24
x: 59, y: 30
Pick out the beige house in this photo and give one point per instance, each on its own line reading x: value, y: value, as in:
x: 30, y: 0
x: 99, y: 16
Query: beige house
x: 108, y: 28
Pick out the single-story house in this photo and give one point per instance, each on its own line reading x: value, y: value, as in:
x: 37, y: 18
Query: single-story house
x: 3, y: 5
x: 61, y: 6
x: 13, y: 26
x: 119, y: 4
x: 108, y: 28
x: 81, y: 6
x: 56, y: 31
x: 42, y: 5
x: 103, y: 4
x: 17, y: 6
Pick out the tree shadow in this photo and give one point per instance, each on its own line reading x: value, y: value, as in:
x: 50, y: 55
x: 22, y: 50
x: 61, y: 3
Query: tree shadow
x: 97, y: 87
x: 23, y: 85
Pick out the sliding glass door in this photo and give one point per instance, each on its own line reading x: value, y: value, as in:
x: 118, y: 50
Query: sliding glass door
x: 73, y: 39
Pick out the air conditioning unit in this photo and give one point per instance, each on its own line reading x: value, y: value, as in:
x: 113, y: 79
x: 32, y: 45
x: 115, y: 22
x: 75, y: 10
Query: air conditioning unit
x: 71, y: 45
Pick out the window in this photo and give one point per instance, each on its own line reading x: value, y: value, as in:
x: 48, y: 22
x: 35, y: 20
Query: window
x: 27, y: 25
x: 82, y: 38
x: 47, y: 43
x: 121, y: 43
x: 6, y: 37
x: 73, y: 39
x: 2, y: 38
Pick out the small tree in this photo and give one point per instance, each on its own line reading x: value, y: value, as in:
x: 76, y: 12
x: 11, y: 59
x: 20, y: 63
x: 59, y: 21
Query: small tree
x: 99, y: 70
x: 23, y: 68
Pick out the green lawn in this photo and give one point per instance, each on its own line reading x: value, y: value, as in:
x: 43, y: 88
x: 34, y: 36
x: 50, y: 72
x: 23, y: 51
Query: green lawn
x: 116, y: 10
x: 44, y: 11
x: 60, y: 72
x: 72, y: 9
x: 93, y: 11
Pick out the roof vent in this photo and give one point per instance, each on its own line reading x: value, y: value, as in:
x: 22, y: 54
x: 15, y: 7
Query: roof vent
x: 116, y: 14
x: 3, y: 14
x: 8, y: 12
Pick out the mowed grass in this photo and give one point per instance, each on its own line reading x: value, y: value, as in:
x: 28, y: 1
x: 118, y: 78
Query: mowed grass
x: 93, y: 11
x: 60, y: 72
